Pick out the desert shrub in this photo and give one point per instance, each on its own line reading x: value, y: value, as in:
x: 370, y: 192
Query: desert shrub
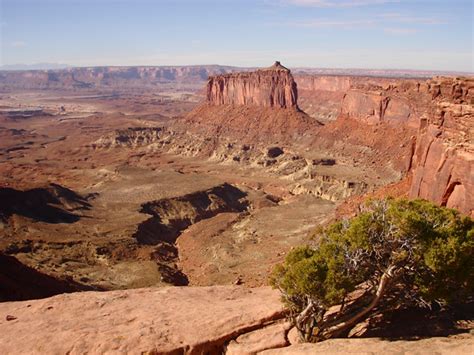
x: 394, y: 253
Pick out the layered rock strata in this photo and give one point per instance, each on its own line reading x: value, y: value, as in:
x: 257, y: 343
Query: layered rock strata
x: 441, y: 110
x: 271, y: 87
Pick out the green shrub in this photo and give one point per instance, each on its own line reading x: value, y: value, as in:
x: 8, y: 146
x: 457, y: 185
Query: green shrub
x: 394, y: 253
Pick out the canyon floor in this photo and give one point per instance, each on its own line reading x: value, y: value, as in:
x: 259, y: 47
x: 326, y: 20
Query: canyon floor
x: 74, y: 210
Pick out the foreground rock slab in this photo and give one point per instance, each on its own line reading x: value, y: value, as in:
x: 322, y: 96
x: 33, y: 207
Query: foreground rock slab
x: 459, y: 344
x: 168, y: 320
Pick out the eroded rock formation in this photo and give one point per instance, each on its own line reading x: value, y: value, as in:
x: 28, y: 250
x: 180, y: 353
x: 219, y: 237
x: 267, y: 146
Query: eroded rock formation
x: 270, y: 87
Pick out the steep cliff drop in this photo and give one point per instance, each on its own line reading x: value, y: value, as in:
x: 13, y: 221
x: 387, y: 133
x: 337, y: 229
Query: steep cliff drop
x: 261, y: 105
x: 444, y: 158
x: 438, y: 113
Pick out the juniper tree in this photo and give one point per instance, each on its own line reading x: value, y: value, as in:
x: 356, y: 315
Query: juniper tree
x: 395, y: 252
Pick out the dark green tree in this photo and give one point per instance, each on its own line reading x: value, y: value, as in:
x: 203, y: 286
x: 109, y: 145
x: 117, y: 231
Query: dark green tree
x: 394, y: 253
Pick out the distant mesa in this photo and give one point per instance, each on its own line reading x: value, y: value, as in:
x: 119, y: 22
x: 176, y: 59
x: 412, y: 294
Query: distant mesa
x: 272, y: 87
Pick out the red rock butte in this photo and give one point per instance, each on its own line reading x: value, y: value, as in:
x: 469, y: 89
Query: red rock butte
x: 272, y: 87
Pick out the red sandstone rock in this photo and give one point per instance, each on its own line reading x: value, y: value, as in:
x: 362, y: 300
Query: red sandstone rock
x: 242, y: 106
x: 461, y: 344
x: 171, y: 320
x: 252, y: 106
x: 270, y: 87
x: 378, y: 106
x: 442, y: 110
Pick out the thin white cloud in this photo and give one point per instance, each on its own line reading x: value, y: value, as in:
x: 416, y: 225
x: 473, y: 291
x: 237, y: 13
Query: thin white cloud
x: 403, y: 18
x: 389, y: 20
x: 338, y: 3
x: 400, y: 31
x: 18, y: 44
x: 325, y: 23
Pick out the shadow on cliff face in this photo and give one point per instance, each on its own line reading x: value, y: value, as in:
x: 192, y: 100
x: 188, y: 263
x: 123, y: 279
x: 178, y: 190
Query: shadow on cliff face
x: 19, y: 282
x: 171, y: 216
x: 52, y: 204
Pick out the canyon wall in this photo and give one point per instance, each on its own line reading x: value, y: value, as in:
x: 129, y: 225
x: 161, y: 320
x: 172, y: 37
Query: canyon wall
x: 384, y: 100
x: 441, y: 113
x: 371, y: 99
x: 273, y: 87
x: 444, y: 158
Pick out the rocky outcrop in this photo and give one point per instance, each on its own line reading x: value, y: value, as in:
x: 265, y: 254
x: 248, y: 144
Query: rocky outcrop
x: 271, y: 87
x: 171, y: 320
x: 444, y: 158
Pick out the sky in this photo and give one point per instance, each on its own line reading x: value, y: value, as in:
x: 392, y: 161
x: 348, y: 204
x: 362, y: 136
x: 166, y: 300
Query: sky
x: 368, y: 34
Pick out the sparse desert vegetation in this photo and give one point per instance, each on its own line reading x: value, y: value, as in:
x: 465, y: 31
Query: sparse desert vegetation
x: 395, y: 254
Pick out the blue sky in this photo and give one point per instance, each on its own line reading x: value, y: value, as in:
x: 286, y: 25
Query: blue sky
x: 403, y: 34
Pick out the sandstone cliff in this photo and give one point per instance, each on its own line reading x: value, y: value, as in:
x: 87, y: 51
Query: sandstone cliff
x: 384, y: 100
x: 444, y: 158
x: 271, y: 87
x: 442, y: 113
x: 438, y: 113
